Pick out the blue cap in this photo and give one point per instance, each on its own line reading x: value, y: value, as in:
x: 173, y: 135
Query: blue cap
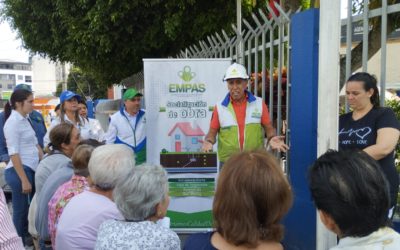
x: 23, y: 86
x: 67, y: 95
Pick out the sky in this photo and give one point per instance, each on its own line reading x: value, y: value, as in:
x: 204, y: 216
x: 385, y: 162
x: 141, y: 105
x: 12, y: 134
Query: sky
x: 11, y: 46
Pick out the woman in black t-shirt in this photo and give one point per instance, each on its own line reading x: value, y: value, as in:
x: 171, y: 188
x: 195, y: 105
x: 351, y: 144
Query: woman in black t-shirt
x: 369, y: 127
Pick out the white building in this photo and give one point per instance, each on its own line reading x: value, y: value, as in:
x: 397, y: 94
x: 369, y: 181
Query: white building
x: 13, y: 73
x: 374, y: 63
x: 47, y: 75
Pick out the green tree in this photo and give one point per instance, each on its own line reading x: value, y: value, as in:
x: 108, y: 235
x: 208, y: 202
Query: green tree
x: 59, y: 89
x: 108, y: 38
x: 395, y: 106
x: 85, y: 85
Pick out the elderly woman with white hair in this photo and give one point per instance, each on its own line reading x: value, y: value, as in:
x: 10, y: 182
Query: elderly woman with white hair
x: 78, y: 225
x: 142, y: 197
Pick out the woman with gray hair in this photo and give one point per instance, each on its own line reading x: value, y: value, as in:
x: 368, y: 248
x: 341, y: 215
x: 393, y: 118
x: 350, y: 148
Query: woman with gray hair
x: 79, y: 222
x: 142, y: 197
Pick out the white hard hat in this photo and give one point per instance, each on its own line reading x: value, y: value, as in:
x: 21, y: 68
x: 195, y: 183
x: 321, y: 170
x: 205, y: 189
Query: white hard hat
x: 236, y: 71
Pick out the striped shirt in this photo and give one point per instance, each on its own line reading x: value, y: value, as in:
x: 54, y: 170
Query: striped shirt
x: 9, y: 239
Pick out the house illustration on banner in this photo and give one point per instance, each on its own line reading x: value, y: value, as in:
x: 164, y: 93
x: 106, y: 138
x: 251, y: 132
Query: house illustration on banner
x: 185, y: 137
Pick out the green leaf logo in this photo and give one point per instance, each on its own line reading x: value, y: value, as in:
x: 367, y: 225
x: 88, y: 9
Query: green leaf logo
x: 186, y: 74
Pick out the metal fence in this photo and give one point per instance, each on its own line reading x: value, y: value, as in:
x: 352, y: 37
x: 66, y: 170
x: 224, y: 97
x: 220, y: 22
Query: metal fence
x: 263, y: 47
x: 136, y: 81
x: 365, y: 19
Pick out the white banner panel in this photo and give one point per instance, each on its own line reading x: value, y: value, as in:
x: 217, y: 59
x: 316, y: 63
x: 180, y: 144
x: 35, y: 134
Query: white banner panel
x: 180, y: 95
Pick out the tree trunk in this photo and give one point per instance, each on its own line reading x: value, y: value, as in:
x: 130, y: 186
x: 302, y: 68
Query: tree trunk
x: 314, y: 3
x: 290, y: 4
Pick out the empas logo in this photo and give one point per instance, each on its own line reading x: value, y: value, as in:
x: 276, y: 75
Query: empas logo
x: 187, y: 87
x: 187, y: 75
x: 234, y: 72
x: 256, y: 113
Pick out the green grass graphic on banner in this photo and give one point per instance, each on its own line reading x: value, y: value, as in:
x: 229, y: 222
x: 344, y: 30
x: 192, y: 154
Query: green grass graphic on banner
x: 191, y: 220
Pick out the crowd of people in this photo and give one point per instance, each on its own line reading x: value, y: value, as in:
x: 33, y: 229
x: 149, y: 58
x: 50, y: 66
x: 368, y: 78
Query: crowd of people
x: 76, y: 187
x: 46, y: 168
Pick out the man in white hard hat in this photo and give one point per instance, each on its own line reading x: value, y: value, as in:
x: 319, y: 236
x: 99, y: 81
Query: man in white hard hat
x: 240, y: 120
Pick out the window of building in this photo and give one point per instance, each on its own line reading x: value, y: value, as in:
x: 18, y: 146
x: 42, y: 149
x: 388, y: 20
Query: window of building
x: 5, y: 66
x: 20, y: 77
x: 22, y: 67
x: 194, y: 140
x: 7, y: 77
x: 10, y: 86
x: 177, y: 137
x: 1, y: 86
x: 28, y: 78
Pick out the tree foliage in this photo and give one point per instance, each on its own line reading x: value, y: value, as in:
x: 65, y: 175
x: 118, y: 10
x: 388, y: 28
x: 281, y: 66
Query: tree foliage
x: 59, y: 89
x: 85, y: 85
x: 109, y: 38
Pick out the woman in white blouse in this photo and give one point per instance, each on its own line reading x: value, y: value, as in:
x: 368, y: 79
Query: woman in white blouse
x: 97, y: 131
x: 25, y: 154
x: 70, y: 113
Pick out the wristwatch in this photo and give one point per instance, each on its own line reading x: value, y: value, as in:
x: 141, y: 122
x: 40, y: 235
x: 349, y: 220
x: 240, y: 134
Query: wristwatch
x: 208, y: 140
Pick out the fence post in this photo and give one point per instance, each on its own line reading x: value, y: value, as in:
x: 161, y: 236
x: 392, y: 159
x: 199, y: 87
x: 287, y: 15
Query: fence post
x: 328, y: 94
x: 383, y: 52
x: 239, y: 50
x: 303, y: 128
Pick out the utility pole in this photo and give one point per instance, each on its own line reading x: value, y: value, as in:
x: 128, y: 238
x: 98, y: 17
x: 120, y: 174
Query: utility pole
x: 239, y: 52
x: 63, y: 77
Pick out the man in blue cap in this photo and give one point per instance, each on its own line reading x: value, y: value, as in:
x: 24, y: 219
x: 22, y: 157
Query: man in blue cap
x: 128, y: 125
x: 37, y: 123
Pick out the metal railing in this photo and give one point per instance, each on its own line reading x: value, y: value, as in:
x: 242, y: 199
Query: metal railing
x: 263, y: 46
x: 365, y: 18
x: 265, y: 39
x: 135, y: 80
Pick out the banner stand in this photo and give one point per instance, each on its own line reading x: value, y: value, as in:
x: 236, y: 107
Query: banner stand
x: 180, y: 95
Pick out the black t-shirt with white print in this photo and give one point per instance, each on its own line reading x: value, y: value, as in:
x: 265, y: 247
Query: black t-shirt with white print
x: 362, y: 133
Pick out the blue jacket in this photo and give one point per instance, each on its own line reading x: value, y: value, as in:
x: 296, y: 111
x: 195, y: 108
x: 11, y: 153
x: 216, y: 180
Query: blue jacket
x: 38, y: 125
